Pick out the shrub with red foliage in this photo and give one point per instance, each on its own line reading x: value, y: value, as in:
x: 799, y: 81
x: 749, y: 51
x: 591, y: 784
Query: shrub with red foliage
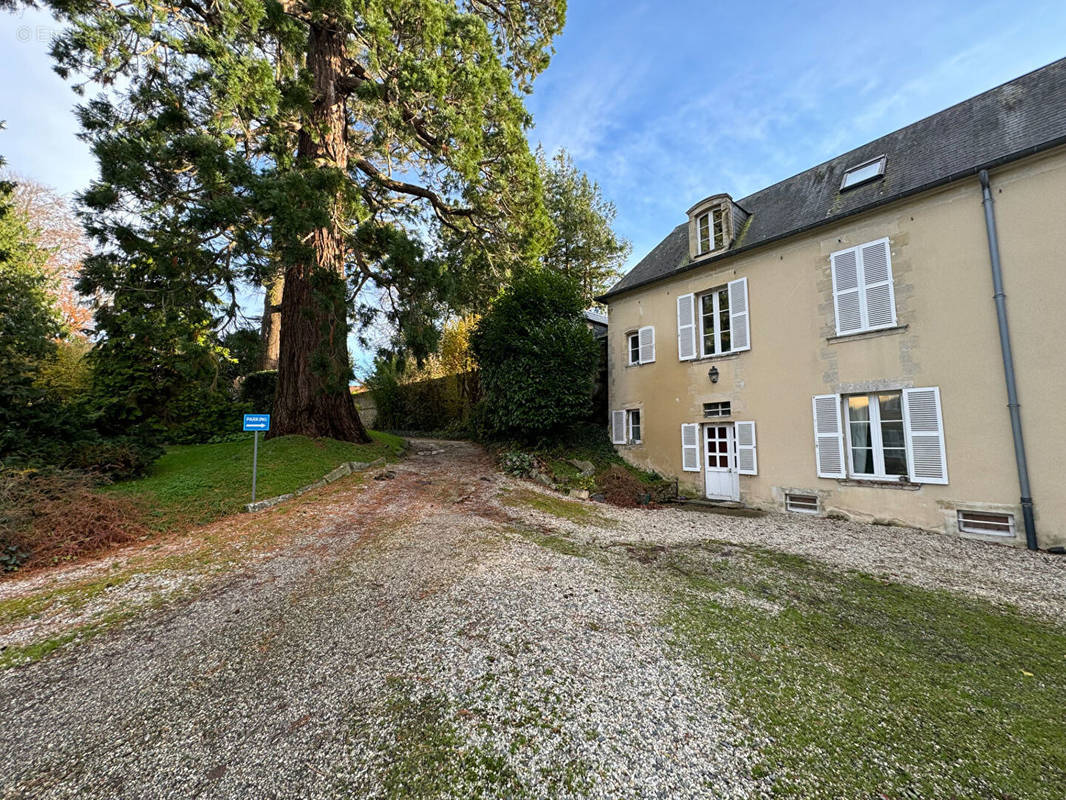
x: 58, y: 516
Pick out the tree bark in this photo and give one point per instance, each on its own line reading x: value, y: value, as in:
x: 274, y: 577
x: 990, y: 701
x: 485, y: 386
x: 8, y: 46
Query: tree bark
x: 313, y: 396
x: 270, y: 332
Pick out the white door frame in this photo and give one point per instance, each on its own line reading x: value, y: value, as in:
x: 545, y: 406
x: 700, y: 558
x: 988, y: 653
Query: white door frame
x: 720, y: 483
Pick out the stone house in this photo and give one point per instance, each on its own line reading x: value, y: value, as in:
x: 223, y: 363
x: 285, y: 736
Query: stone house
x: 881, y: 336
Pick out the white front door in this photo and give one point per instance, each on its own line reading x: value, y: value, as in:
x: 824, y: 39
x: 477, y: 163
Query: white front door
x: 722, y: 482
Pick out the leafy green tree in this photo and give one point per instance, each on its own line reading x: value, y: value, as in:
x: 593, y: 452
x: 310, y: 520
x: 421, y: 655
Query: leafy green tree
x: 348, y: 147
x: 537, y: 356
x: 585, y: 248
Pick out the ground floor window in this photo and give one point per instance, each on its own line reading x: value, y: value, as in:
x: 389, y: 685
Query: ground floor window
x: 876, y: 444
x: 633, y: 426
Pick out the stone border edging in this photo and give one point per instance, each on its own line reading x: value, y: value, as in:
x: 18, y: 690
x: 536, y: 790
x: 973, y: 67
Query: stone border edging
x: 347, y: 468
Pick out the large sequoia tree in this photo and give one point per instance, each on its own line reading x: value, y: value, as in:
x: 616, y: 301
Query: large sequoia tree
x: 368, y: 154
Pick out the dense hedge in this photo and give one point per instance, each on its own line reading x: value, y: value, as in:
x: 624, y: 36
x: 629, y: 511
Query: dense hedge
x: 436, y: 404
x: 538, y: 359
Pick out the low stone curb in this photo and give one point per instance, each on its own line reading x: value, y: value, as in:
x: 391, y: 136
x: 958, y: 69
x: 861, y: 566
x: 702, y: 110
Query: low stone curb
x: 347, y: 468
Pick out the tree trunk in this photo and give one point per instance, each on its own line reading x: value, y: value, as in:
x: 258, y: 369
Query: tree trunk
x: 313, y: 397
x: 270, y: 332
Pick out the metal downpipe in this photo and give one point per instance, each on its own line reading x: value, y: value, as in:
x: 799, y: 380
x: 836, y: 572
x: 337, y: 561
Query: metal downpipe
x: 1008, y: 363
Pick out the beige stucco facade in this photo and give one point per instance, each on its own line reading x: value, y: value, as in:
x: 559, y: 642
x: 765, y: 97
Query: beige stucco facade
x: 946, y: 336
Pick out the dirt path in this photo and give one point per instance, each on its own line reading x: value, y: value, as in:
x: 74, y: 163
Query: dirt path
x: 404, y: 637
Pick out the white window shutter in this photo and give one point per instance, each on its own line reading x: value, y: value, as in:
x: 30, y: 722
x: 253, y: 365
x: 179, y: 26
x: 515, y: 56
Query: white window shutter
x: 738, y: 314
x: 646, y: 339
x: 618, y: 427
x: 878, y: 297
x: 747, y: 460
x: 847, y: 300
x: 686, y: 327
x: 925, y: 435
x: 828, y: 436
x: 690, y: 447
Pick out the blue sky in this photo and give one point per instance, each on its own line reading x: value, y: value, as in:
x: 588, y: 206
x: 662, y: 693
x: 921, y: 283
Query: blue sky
x: 664, y: 103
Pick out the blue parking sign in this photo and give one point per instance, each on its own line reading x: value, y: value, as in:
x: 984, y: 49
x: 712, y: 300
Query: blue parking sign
x: 257, y: 422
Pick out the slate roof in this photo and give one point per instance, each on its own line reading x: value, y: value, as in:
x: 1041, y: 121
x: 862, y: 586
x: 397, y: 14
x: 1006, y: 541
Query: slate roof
x: 1021, y: 117
x: 597, y: 322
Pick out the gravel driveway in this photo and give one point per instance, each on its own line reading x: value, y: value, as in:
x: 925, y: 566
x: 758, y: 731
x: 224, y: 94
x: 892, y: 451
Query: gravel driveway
x: 420, y: 639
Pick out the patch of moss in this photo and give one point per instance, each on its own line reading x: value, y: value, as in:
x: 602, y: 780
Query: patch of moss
x: 425, y: 754
x: 560, y: 544
x: 20, y: 655
x: 867, y: 688
x: 572, y: 510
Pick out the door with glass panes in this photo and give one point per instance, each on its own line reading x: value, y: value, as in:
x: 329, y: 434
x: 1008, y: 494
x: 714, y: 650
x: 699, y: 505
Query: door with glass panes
x: 722, y: 481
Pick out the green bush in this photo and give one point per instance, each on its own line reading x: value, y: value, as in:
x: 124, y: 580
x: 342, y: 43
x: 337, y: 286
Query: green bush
x: 537, y: 357
x: 517, y: 463
x: 119, y: 459
x: 432, y: 404
x: 199, y: 416
x: 257, y: 390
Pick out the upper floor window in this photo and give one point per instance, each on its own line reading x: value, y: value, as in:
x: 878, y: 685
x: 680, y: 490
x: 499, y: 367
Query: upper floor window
x: 863, y: 297
x: 866, y: 171
x: 715, y: 327
x: 634, y: 347
x: 711, y: 230
x: 712, y: 225
x: 713, y: 323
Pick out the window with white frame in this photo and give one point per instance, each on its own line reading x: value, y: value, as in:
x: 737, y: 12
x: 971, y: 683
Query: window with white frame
x: 876, y: 444
x: 887, y: 435
x: 861, y: 173
x: 711, y: 229
x: 863, y: 296
x: 719, y: 409
x: 715, y: 329
x: 625, y: 426
x: 715, y: 322
x: 633, y: 426
x: 640, y: 346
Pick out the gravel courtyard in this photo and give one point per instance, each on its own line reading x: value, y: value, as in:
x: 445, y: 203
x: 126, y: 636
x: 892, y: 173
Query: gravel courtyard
x: 443, y: 631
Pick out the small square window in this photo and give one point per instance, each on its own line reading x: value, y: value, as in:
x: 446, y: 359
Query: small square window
x: 986, y: 524
x: 723, y: 409
x: 867, y: 171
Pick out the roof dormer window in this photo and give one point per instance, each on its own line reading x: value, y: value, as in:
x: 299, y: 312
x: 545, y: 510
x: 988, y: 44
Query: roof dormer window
x: 710, y: 225
x: 866, y: 171
x: 711, y: 228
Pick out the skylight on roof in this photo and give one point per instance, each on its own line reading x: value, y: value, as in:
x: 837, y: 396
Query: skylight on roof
x: 866, y: 171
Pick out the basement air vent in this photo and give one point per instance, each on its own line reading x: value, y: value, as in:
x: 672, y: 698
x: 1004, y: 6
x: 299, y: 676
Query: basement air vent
x: 717, y: 409
x: 986, y: 524
x: 801, y: 503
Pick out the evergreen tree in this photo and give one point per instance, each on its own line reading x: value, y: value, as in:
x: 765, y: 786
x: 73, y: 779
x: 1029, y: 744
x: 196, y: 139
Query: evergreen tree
x: 537, y: 357
x: 339, y: 145
x: 30, y: 321
x: 585, y: 248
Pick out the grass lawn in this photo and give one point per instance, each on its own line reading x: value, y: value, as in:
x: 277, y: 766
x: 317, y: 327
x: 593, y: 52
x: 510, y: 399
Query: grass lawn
x: 863, y: 688
x: 196, y: 484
